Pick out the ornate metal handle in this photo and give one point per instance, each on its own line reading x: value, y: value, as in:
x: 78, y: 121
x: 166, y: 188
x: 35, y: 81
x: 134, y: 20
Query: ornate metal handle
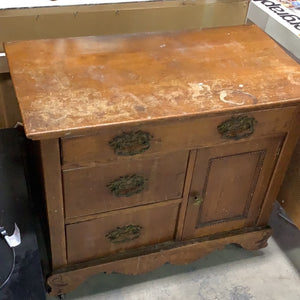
x: 197, y: 200
x: 237, y: 127
x: 131, y: 143
x: 124, y: 234
x: 128, y: 185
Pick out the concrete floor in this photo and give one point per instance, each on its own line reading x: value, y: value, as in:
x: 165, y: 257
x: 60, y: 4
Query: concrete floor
x: 271, y: 273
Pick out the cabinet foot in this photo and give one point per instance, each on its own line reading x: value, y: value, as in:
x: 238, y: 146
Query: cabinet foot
x: 255, y: 244
x: 140, y: 261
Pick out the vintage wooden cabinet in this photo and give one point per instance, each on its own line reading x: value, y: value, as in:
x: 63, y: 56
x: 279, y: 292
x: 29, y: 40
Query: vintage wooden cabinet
x: 156, y: 148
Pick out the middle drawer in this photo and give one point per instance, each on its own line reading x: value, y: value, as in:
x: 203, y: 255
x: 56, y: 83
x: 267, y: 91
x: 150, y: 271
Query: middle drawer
x: 124, y: 184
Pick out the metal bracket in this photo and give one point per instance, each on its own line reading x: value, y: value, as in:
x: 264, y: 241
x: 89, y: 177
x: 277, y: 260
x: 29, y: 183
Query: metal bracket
x: 13, y: 240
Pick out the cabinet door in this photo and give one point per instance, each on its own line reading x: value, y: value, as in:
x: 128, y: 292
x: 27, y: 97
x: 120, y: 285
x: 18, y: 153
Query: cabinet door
x: 228, y: 186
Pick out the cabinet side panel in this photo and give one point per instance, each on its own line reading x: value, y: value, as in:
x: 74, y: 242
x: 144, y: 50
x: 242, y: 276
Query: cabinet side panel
x: 279, y: 172
x: 289, y: 195
x: 51, y: 168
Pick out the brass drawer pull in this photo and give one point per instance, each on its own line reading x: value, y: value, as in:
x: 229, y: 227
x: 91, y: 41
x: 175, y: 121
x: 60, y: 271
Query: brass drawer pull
x: 131, y: 143
x: 237, y: 127
x: 128, y: 185
x: 124, y: 234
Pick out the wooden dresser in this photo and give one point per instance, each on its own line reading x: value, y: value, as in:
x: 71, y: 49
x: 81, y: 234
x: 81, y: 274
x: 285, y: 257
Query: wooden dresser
x: 156, y: 148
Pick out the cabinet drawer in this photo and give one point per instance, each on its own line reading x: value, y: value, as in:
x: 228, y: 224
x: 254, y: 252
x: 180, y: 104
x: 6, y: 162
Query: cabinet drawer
x: 120, y: 230
x: 124, y: 184
x: 121, y: 143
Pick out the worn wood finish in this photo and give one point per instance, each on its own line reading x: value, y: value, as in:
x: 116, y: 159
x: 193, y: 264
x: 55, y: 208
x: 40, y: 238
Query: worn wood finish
x: 231, y: 182
x: 105, y: 19
x: 202, y: 113
x: 177, y: 134
x: 139, y: 262
x: 86, y: 190
x: 157, y: 222
x: 281, y: 167
x: 93, y: 82
x: 50, y: 157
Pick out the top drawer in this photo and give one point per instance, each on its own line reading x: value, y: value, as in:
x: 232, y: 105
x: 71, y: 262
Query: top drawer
x: 124, y: 142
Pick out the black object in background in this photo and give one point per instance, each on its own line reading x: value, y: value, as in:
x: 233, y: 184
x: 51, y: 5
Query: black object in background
x: 26, y: 282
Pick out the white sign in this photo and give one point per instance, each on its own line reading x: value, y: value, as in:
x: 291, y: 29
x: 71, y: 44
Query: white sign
x: 281, y: 23
x: 285, y: 16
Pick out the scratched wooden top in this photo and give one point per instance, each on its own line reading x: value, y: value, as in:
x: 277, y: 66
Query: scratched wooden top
x: 65, y: 86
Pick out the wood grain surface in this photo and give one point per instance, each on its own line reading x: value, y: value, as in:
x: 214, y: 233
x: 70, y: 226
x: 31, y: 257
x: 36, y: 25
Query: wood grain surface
x: 80, y: 95
x: 51, y: 172
x: 67, y: 85
x: 157, y: 221
x: 144, y: 260
x: 86, y: 190
x: 178, y: 135
x: 232, y: 181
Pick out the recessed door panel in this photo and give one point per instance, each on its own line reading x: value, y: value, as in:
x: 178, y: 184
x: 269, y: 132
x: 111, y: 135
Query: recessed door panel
x: 228, y: 186
x: 235, y: 186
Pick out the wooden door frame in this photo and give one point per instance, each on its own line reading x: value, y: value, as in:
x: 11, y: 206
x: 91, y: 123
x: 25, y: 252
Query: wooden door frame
x: 271, y: 151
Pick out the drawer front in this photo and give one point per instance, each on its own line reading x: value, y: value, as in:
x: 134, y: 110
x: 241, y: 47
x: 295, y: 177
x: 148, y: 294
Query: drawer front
x: 124, y: 184
x: 121, y: 230
x: 121, y: 143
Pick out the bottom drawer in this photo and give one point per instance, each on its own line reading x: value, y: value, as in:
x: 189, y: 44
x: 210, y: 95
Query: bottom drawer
x: 120, y: 230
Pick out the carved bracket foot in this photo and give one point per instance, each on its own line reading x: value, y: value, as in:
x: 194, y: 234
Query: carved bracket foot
x: 254, y: 244
x: 140, y: 261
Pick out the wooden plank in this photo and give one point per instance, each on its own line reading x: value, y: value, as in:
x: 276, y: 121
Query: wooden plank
x: 144, y: 260
x: 106, y: 19
x: 50, y: 159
